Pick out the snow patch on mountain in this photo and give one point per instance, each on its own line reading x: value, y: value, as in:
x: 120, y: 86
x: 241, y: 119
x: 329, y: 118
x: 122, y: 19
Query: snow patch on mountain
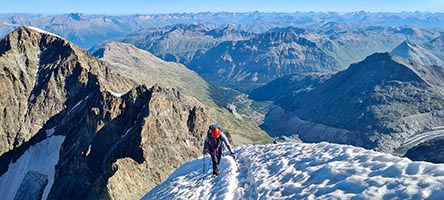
x: 43, y: 31
x: 305, y: 171
x: 40, y: 158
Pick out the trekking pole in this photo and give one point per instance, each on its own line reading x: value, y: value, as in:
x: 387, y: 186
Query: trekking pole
x: 237, y: 164
x: 203, y: 168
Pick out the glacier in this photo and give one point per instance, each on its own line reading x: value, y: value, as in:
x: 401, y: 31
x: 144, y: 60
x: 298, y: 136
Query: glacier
x: 36, y: 164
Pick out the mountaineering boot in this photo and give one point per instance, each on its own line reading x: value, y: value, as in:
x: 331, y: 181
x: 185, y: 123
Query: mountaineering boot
x: 215, y: 173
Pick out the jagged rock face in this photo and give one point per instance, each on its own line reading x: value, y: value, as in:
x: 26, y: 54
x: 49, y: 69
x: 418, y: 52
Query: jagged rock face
x: 123, y: 146
x: 42, y: 75
x: 119, y: 142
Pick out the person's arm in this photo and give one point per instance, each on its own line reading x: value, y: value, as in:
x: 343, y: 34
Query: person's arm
x: 205, y: 148
x: 225, y: 140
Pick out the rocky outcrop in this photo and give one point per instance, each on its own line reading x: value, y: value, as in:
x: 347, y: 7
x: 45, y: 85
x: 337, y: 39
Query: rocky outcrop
x: 122, y: 146
x: 120, y: 138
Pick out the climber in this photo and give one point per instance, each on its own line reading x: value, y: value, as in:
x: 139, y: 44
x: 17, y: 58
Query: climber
x: 214, y: 143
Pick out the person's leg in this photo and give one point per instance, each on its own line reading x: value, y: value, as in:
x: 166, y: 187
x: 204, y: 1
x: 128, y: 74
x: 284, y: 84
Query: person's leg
x: 218, y: 156
x: 215, y: 161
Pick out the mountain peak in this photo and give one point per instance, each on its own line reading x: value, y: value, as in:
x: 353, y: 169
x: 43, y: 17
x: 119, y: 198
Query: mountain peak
x: 410, y: 50
x: 116, y: 48
x: 30, y: 34
x: 366, y: 88
x: 405, y: 48
x: 76, y: 16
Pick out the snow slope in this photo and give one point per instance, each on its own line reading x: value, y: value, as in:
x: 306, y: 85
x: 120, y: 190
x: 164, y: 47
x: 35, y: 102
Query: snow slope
x: 306, y: 171
x: 40, y: 158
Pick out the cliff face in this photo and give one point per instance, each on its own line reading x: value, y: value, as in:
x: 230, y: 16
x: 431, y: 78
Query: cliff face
x: 42, y: 75
x: 122, y: 146
x: 116, y: 140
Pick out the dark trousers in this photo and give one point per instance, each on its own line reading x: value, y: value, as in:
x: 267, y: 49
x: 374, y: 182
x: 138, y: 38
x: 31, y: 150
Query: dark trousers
x: 215, y: 158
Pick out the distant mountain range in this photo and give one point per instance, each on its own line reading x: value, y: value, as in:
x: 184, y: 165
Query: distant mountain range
x: 89, y: 30
x: 180, y: 43
x: 261, y: 59
x: 225, y: 44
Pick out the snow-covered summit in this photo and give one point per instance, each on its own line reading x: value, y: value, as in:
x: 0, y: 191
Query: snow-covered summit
x: 305, y: 171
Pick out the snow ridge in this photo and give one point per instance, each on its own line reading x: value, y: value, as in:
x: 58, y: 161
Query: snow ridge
x: 43, y: 31
x: 305, y: 171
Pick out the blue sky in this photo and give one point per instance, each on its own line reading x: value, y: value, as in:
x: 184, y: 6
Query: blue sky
x: 168, y: 6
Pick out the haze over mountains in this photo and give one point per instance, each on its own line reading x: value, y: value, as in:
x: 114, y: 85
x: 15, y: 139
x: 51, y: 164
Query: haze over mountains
x: 246, y: 60
x: 89, y: 30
